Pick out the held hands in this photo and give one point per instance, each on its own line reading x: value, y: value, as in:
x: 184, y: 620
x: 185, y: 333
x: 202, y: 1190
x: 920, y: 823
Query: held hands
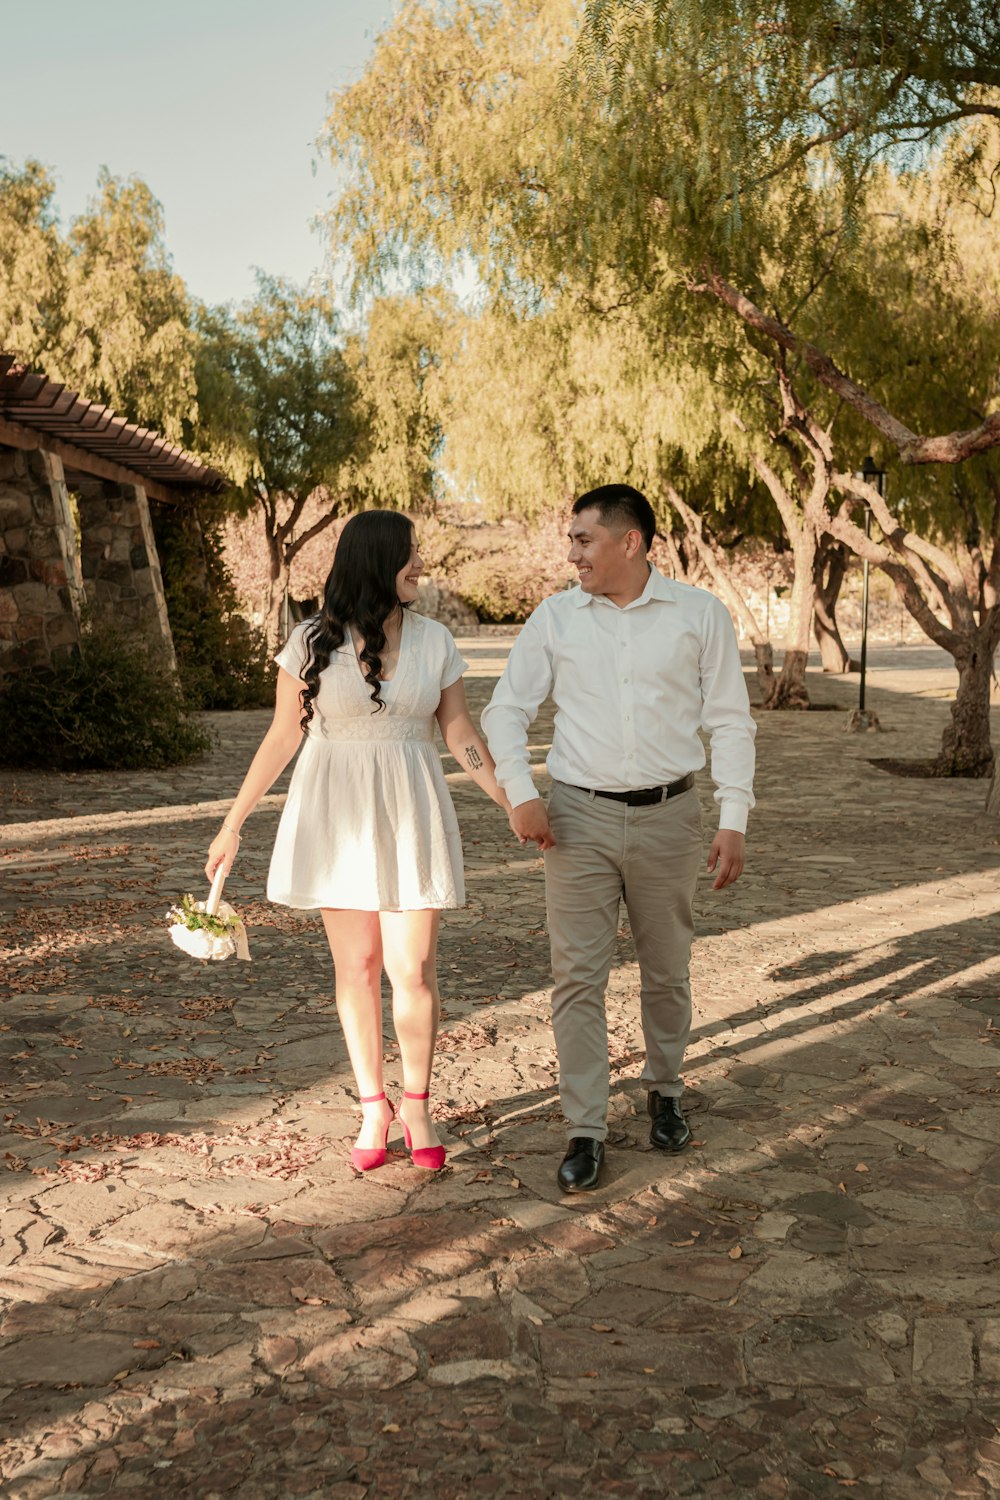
x: 530, y: 824
x: 728, y: 851
x: 222, y: 851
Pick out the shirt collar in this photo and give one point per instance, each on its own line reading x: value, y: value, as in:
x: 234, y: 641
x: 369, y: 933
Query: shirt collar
x: 657, y: 587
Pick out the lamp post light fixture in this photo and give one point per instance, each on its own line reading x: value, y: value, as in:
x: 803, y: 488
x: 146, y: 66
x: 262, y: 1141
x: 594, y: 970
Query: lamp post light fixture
x: 866, y: 718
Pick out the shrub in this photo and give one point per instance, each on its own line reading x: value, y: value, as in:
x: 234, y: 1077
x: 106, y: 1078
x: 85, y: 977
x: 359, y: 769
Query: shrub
x: 111, y: 708
x: 501, y: 593
x: 223, y: 661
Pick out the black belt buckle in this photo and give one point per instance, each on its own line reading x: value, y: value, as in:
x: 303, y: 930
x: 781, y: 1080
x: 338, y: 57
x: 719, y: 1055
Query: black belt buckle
x: 646, y: 796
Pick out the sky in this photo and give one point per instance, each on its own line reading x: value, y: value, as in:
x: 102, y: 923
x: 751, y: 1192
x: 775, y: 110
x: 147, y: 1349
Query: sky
x: 215, y: 104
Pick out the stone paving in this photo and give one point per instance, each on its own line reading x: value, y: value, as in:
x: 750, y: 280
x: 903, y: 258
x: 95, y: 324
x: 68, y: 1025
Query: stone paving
x: 200, y: 1298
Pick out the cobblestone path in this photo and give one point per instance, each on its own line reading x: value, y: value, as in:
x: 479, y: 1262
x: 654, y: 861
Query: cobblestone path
x: 200, y: 1298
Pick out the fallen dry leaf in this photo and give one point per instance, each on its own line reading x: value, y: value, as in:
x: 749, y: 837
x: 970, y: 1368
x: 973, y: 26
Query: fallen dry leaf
x: 861, y: 1167
x: 735, y: 1253
x: 146, y: 1344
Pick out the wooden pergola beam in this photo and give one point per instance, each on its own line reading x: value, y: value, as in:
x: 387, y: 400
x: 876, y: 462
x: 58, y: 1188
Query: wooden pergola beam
x: 13, y: 435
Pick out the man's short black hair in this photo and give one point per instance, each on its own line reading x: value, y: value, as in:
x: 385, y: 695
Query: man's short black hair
x: 620, y: 506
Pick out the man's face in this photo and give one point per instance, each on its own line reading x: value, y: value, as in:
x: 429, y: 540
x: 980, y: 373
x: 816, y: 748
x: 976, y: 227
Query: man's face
x: 598, y: 555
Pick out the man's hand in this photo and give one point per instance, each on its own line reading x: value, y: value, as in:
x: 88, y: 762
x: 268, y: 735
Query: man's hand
x: 728, y: 851
x: 530, y: 823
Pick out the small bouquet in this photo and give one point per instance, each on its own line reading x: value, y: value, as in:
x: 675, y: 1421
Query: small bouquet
x: 209, y: 929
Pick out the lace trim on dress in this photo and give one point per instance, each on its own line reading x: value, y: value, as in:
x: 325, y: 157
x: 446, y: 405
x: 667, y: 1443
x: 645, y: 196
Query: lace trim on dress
x: 374, y: 727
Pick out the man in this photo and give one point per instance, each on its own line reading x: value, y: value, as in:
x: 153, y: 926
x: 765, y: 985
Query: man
x: 636, y: 664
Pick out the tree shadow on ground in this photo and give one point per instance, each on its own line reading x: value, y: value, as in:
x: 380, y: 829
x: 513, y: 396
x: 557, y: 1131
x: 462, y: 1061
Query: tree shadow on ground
x: 753, y: 1311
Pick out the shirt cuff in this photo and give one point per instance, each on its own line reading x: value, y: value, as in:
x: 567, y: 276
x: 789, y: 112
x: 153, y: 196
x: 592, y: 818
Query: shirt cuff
x: 521, y: 788
x: 733, y: 817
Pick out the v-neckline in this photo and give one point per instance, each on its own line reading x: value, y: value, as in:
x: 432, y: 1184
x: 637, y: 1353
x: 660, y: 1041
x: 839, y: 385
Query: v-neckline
x: 404, y: 636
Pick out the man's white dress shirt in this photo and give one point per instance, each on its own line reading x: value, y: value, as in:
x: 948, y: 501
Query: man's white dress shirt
x: 632, y: 687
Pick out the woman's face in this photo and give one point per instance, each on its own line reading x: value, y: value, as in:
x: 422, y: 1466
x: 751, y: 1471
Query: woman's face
x: 408, y: 576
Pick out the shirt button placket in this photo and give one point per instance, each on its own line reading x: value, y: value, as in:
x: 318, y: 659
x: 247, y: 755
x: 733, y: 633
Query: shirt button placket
x: 628, y: 700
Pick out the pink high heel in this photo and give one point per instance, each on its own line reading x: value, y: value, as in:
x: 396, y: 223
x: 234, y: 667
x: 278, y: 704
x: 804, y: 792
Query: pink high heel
x: 430, y: 1157
x: 364, y: 1158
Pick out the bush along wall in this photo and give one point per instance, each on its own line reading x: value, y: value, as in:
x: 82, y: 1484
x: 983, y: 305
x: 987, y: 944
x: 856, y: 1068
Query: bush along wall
x: 223, y: 661
x: 109, y: 707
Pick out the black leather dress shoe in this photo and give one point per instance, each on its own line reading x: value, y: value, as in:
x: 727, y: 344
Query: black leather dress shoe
x: 580, y: 1169
x: 670, y: 1131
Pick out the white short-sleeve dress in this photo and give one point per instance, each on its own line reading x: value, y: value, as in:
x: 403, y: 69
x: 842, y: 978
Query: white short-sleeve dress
x: 369, y: 824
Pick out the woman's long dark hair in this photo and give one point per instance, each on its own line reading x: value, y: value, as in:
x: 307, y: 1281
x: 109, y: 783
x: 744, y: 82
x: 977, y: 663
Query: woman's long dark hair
x: 360, y: 591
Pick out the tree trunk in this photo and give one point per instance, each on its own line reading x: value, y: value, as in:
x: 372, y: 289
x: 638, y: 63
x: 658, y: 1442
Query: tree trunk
x: 993, y: 795
x: 790, y: 686
x: 829, y: 570
x: 277, y: 587
x: 966, y: 746
x: 764, y: 653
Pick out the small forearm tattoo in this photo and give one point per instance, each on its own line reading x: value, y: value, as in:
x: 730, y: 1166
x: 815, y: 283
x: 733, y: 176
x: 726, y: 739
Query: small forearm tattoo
x: 473, y: 759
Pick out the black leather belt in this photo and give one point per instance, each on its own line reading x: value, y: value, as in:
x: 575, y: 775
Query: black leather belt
x: 646, y: 796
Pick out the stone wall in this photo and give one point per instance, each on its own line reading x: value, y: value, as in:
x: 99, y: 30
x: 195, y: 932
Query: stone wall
x: 47, y: 579
x: 41, y: 583
x: 121, y: 570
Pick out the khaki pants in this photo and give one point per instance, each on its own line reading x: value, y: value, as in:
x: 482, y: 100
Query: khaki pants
x: 606, y: 851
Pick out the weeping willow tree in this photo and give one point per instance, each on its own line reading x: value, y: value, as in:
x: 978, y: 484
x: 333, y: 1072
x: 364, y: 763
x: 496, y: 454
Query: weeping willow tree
x: 541, y: 408
x: 732, y: 112
x: 699, y: 165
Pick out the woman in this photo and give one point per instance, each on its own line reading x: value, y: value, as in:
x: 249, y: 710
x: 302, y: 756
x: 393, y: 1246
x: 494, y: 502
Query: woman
x: 369, y: 834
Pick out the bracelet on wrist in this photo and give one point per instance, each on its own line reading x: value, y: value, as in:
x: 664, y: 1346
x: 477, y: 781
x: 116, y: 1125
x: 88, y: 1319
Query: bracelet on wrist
x: 231, y: 829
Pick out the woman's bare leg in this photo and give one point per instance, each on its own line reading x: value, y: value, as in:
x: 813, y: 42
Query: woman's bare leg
x: 356, y: 944
x: 409, y: 950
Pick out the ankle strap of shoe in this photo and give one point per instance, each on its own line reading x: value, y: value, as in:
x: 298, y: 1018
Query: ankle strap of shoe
x: 371, y: 1098
x: 408, y: 1095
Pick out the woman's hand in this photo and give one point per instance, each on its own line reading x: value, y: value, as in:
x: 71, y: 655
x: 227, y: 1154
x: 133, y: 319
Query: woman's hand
x: 222, y: 851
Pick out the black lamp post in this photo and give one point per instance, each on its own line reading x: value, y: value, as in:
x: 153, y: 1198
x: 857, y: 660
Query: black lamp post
x: 864, y: 718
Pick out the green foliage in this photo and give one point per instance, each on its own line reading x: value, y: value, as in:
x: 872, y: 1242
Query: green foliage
x: 99, y: 308
x: 33, y: 262
x: 603, y: 172
x: 191, y: 914
x: 295, y: 413
x: 502, y: 572
x: 128, y: 335
x: 539, y: 410
x: 223, y: 662
x: 849, y: 83
x: 502, y: 591
x: 274, y: 392
x: 110, y: 708
x: 396, y: 366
